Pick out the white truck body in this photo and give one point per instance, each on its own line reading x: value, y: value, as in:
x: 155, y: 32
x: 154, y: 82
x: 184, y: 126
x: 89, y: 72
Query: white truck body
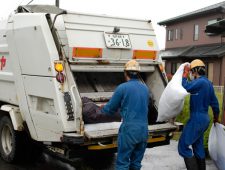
x: 29, y: 89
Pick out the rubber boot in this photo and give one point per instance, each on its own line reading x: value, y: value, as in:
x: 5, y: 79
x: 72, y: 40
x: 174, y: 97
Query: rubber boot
x: 201, y: 164
x: 191, y: 163
x: 133, y: 169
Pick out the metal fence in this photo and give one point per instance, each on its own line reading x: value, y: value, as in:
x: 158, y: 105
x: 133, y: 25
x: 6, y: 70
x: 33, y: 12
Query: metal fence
x: 219, y: 89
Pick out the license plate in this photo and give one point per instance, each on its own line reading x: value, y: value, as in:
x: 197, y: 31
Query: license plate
x: 117, y: 40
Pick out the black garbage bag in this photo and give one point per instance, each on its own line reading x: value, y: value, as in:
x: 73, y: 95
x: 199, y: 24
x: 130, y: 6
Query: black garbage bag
x: 92, y: 113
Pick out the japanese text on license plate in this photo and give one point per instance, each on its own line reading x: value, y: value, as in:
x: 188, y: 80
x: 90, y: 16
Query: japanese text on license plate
x: 117, y: 40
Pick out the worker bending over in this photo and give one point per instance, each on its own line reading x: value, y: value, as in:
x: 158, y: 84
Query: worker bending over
x: 132, y: 98
x: 202, y: 96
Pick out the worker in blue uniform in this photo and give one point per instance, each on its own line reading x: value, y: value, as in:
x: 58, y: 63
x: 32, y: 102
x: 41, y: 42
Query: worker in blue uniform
x: 132, y: 98
x: 202, y: 96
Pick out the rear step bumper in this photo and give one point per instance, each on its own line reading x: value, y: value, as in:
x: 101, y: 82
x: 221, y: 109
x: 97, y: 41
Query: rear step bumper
x: 159, y: 134
x: 104, y: 139
x: 153, y: 130
x: 156, y: 141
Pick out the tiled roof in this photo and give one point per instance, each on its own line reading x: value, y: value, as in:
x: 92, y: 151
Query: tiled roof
x: 216, y: 50
x: 204, y: 51
x: 220, y: 51
x: 170, y: 53
x: 219, y: 7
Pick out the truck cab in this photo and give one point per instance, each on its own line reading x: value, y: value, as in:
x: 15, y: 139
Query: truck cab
x: 56, y: 57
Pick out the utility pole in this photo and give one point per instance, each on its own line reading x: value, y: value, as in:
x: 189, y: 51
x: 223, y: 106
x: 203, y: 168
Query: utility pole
x: 57, y: 3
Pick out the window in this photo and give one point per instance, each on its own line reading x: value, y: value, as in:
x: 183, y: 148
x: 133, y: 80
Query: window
x: 212, y: 21
x: 170, y: 35
x: 173, y: 68
x: 176, y: 34
x: 196, y: 32
x: 181, y: 34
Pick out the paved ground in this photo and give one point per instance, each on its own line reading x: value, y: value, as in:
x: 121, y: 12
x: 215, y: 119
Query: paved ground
x: 159, y: 158
x: 167, y: 158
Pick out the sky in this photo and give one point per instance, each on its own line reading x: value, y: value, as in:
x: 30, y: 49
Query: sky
x: 154, y: 10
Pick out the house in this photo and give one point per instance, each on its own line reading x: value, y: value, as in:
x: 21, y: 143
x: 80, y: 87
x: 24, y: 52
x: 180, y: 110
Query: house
x: 187, y: 39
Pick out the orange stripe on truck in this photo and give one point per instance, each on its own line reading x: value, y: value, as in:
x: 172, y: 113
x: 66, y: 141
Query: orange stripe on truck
x: 144, y: 54
x: 82, y: 52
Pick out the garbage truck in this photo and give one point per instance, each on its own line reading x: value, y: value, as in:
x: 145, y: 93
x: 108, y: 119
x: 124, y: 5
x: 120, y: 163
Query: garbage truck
x: 51, y: 58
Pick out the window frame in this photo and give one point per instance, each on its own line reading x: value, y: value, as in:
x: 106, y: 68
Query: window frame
x: 170, y: 35
x: 176, y: 34
x: 181, y: 33
x: 212, y: 21
x: 196, y: 32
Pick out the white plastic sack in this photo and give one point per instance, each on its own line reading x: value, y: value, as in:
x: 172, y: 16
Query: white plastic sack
x: 171, y: 101
x: 216, y: 145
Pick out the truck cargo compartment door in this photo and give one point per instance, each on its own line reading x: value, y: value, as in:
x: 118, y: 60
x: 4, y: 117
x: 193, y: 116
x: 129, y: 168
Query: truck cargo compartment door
x: 93, y: 37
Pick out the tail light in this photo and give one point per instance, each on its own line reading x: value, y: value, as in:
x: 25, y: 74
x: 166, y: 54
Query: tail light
x: 60, y: 77
x: 59, y: 66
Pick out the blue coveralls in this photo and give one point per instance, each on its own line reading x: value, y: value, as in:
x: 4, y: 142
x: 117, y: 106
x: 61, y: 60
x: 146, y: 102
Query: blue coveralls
x: 202, y: 96
x: 132, y: 98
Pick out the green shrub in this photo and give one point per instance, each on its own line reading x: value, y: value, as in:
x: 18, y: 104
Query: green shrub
x: 184, y: 116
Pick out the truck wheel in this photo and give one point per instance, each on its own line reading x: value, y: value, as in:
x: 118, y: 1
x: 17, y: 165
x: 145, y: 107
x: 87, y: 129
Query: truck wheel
x: 9, y: 140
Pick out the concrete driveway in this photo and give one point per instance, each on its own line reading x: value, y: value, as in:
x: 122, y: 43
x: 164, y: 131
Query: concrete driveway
x: 159, y: 158
x: 167, y: 158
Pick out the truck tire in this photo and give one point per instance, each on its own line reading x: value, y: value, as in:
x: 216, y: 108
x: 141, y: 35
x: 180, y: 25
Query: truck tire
x: 9, y: 141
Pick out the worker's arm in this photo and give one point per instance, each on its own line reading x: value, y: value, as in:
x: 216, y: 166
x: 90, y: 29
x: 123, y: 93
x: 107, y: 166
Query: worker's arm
x: 191, y: 86
x: 114, y: 103
x: 214, y: 105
